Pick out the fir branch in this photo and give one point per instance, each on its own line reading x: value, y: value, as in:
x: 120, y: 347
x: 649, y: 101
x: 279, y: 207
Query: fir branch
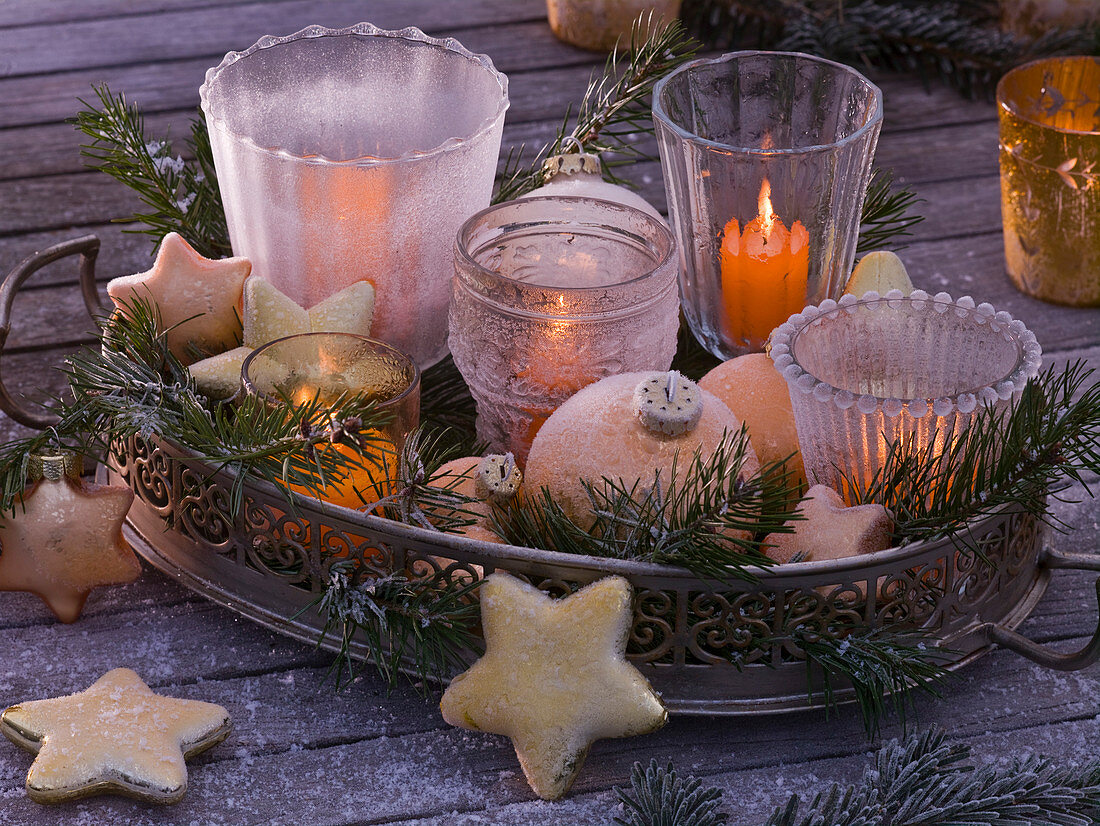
x: 179, y: 195
x: 1007, y: 460
x: 886, y: 215
x: 446, y: 406
x: 426, y: 623
x: 706, y: 519
x: 658, y: 796
x: 922, y: 780
x: 882, y: 665
x: 954, y: 40
x: 614, y: 110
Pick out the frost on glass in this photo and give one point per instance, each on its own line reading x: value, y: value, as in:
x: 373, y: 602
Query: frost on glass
x: 1050, y: 178
x: 357, y: 153
x: 865, y: 373
x: 799, y: 128
x: 550, y: 295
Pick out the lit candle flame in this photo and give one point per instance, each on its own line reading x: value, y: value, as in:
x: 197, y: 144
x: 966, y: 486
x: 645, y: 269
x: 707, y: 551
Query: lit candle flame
x: 764, y: 206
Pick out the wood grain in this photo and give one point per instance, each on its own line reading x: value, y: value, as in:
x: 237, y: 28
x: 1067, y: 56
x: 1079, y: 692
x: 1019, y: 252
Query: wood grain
x: 301, y: 752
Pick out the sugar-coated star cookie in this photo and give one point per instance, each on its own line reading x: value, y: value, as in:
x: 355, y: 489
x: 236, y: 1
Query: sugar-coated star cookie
x: 64, y: 540
x: 554, y: 677
x: 829, y: 530
x: 198, y: 297
x: 269, y: 314
x: 115, y: 737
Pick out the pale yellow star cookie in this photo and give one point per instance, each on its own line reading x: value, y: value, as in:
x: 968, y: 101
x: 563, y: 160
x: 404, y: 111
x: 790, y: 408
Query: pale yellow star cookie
x: 554, y: 677
x: 270, y: 314
x: 830, y: 530
x: 116, y: 736
x: 64, y: 540
x: 197, y: 297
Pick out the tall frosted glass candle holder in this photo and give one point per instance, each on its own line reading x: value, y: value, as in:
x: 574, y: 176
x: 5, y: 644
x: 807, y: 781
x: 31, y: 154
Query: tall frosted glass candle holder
x: 550, y: 295
x: 1050, y: 178
x: 766, y: 159
x: 912, y: 370
x: 354, y: 154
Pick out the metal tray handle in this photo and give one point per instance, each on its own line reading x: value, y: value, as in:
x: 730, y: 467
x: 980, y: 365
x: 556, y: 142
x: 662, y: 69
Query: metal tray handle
x: 88, y: 248
x: 1073, y: 661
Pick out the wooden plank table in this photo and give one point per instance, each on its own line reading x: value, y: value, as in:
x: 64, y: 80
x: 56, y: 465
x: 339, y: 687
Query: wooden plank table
x: 300, y: 752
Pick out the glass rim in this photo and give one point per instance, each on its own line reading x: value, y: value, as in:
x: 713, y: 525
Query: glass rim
x: 1025, y: 368
x: 414, y: 382
x: 463, y: 238
x: 410, y: 33
x: 659, y: 113
x: 1010, y: 106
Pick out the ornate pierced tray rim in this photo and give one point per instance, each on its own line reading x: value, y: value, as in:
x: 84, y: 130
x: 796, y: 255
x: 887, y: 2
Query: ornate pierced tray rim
x: 610, y: 565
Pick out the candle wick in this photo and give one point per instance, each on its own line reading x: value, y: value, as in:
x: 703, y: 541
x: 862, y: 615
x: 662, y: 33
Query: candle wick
x: 673, y: 385
x: 508, y: 466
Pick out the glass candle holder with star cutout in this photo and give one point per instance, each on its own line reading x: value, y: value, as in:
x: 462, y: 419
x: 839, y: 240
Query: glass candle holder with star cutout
x: 331, y: 367
x: 1050, y: 178
x: 550, y: 295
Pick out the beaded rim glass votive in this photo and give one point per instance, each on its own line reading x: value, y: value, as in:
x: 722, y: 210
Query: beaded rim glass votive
x: 864, y: 373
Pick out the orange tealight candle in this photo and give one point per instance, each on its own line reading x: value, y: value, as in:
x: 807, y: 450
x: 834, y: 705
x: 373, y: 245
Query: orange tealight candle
x: 764, y: 274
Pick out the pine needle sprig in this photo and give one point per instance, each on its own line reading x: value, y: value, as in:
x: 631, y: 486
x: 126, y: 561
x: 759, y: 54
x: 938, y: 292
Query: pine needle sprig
x: 707, y: 519
x: 956, y: 41
x: 887, y: 215
x: 883, y: 666
x: 1007, y: 460
x: 179, y: 195
x: 658, y: 796
x: 923, y: 780
x: 426, y: 623
x: 614, y: 110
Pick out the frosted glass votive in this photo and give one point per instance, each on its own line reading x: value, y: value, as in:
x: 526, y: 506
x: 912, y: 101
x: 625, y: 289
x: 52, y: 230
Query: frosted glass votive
x: 916, y: 370
x: 351, y: 154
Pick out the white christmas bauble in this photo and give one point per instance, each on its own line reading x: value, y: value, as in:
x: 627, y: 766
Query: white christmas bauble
x: 579, y: 175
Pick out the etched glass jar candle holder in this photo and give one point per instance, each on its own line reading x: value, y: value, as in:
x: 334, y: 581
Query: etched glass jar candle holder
x: 550, y: 295
x: 766, y: 159
x: 1050, y: 178
x: 914, y: 370
x: 332, y: 367
x: 354, y: 154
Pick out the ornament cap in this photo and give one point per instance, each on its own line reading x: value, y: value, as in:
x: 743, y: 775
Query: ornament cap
x: 54, y: 466
x: 497, y: 477
x: 668, y: 403
x: 571, y: 163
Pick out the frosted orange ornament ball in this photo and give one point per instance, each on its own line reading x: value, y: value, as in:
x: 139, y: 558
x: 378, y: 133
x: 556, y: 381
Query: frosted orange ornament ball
x: 759, y: 396
x: 599, y: 433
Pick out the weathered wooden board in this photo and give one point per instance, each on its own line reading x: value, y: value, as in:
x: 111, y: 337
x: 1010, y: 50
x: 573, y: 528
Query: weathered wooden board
x: 301, y: 753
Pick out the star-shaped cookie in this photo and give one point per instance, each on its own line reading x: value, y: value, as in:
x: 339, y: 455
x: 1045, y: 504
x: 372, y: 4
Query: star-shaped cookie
x: 829, y: 530
x: 64, y: 540
x: 270, y: 314
x: 116, y: 736
x: 554, y: 677
x: 184, y: 285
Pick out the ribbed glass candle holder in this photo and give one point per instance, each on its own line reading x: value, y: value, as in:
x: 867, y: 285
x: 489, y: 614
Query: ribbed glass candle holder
x: 916, y: 370
x: 354, y: 154
x: 766, y: 159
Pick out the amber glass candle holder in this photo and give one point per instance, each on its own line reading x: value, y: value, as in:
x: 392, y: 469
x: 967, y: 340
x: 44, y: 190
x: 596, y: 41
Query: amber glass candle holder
x: 766, y: 158
x: 915, y: 370
x: 351, y: 154
x: 550, y: 295
x: 1050, y: 178
x: 331, y: 367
